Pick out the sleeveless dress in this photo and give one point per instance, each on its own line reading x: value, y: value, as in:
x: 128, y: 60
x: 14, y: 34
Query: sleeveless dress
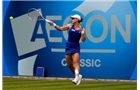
x: 72, y: 45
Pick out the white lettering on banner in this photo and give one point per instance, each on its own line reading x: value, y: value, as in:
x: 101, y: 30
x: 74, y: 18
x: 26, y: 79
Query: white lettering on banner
x: 85, y: 62
x: 63, y: 62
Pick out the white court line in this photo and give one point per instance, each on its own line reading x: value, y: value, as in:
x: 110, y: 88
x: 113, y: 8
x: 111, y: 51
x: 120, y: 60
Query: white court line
x: 87, y: 50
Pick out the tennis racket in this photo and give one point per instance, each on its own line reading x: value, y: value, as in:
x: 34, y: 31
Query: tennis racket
x: 36, y: 15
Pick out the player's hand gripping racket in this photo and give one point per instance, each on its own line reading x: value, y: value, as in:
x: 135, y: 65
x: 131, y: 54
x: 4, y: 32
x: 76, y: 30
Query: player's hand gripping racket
x: 36, y: 15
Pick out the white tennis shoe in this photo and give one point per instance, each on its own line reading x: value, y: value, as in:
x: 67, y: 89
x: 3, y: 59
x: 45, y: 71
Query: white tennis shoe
x: 77, y: 81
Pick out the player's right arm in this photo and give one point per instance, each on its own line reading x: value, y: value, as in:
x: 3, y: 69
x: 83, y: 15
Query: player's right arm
x: 63, y: 28
x: 60, y: 28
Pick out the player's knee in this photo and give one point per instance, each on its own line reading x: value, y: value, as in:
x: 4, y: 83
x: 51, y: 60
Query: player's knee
x: 76, y: 63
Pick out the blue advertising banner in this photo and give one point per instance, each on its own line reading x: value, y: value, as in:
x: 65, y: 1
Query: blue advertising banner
x: 110, y: 49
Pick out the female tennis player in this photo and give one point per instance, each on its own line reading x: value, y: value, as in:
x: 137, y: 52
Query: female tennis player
x: 72, y: 49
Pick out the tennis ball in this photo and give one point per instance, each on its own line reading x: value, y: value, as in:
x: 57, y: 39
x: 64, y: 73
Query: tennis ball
x: 11, y: 17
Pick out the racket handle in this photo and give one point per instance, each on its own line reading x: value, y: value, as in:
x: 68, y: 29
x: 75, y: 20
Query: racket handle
x: 47, y: 20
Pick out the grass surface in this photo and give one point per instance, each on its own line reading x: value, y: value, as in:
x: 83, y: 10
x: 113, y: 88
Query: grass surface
x: 39, y: 84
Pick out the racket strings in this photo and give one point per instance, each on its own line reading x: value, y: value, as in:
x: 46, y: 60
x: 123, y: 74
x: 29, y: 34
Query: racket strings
x: 34, y: 15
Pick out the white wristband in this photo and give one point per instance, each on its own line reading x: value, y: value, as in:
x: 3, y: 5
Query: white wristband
x: 82, y: 32
x: 54, y: 24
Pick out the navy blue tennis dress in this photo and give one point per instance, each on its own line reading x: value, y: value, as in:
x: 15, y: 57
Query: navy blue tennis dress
x: 72, y: 45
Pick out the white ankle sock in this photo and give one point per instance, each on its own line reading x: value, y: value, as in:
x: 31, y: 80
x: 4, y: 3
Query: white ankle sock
x: 76, y: 71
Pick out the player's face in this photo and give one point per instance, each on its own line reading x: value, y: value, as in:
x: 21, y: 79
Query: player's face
x: 74, y: 20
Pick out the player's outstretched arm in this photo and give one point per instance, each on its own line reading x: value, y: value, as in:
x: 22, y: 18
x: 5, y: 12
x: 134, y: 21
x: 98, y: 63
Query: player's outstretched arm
x: 60, y: 28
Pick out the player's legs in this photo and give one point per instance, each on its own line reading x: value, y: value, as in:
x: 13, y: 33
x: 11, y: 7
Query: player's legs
x: 73, y: 63
x: 70, y: 62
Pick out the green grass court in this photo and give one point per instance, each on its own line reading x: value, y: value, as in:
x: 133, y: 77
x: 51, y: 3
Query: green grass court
x: 40, y: 84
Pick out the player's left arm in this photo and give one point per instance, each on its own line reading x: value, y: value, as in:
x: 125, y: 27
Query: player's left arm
x: 83, y: 37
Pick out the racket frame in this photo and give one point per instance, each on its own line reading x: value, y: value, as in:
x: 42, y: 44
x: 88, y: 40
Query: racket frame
x: 40, y: 14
